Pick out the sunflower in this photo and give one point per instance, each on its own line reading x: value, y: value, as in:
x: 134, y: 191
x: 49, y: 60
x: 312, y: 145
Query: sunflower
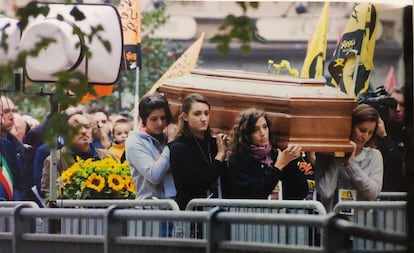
x: 129, y: 183
x: 95, y: 182
x: 68, y: 174
x: 67, y: 177
x: 116, y: 182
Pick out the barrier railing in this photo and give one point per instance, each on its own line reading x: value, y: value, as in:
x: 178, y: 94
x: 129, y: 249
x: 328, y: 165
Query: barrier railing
x: 259, y: 206
x: 91, y: 226
x: 386, y: 215
x: 261, y: 233
x: 116, y: 239
x: 218, y: 223
x: 16, y: 203
x: 6, y: 223
x: 84, y: 226
x: 152, y: 204
x: 392, y: 196
x: 340, y: 234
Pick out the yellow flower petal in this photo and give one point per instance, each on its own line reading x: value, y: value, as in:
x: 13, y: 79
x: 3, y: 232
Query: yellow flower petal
x: 116, y: 182
x: 95, y: 182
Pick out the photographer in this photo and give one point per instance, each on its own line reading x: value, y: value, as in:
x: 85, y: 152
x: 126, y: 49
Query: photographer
x: 391, y: 138
x: 391, y: 134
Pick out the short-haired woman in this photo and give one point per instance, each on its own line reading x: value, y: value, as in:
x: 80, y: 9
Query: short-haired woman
x: 147, y: 152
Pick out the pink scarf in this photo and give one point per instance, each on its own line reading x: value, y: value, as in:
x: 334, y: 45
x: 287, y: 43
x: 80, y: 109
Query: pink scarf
x: 262, y: 153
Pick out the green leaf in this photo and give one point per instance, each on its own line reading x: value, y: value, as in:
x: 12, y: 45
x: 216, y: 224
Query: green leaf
x: 241, y: 29
x: 77, y: 14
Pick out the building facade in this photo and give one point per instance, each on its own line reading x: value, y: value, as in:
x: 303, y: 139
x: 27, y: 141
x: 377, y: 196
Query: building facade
x: 286, y: 27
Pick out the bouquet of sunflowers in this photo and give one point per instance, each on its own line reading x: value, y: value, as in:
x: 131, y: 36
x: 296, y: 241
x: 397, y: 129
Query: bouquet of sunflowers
x: 102, y: 179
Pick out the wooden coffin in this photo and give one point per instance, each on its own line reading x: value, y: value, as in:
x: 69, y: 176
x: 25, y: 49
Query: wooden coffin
x: 302, y: 111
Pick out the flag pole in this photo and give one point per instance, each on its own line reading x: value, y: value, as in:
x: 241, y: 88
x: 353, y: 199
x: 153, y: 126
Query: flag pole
x: 136, y: 105
x: 357, y: 58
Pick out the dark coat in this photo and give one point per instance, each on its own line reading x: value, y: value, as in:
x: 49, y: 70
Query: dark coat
x: 393, y: 149
x: 252, y: 179
x: 21, y: 172
x: 193, y: 173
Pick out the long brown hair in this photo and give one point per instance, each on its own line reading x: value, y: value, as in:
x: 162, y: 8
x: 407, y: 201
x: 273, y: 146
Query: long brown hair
x: 244, y: 127
x: 183, y: 130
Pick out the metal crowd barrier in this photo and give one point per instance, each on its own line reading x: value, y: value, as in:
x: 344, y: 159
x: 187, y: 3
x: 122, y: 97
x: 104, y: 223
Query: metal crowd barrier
x: 259, y: 205
x: 6, y: 223
x: 385, y: 215
x: 392, y: 196
x: 340, y: 235
x: 151, y: 204
x: 262, y: 233
x: 15, y: 203
x: 115, y: 238
x: 93, y: 226
x: 83, y: 226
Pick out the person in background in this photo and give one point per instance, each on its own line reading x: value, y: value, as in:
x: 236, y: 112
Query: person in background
x: 42, y: 150
x: 256, y: 167
x: 34, y: 140
x: 147, y: 152
x: 101, y: 127
x: 122, y: 126
x: 79, y: 146
x: 8, y: 162
x: 20, y: 128
x: 197, y: 159
x: 360, y: 171
x: 100, y: 138
x: 30, y: 120
x: 41, y: 153
x: 392, y: 137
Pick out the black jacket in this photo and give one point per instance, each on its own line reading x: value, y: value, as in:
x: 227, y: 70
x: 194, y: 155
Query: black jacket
x: 193, y: 174
x: 252, y: 179
x: 393, y: 148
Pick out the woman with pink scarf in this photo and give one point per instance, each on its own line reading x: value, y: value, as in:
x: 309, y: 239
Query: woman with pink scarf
x: 256, y: 167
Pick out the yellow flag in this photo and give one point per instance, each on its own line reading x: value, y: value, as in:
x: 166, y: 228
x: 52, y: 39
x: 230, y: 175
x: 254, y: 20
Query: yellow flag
x: 183, y: 65
x: 356, y: 47
x: 313, y: 65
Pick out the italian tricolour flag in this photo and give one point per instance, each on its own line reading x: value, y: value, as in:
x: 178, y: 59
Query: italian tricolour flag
x: 6, y: 180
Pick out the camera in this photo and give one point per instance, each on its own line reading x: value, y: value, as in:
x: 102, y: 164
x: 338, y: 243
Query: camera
x: 379, y: 99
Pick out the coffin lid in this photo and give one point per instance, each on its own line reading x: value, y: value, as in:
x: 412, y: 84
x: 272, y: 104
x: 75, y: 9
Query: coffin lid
x: 256, y: 84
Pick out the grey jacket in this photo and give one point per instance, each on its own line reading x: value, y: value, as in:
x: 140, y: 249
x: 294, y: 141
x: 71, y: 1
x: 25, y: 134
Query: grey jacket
x: 149, y: 161
x: 364, y: 174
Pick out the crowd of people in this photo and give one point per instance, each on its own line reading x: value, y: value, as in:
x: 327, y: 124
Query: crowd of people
x: 184, y: 159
